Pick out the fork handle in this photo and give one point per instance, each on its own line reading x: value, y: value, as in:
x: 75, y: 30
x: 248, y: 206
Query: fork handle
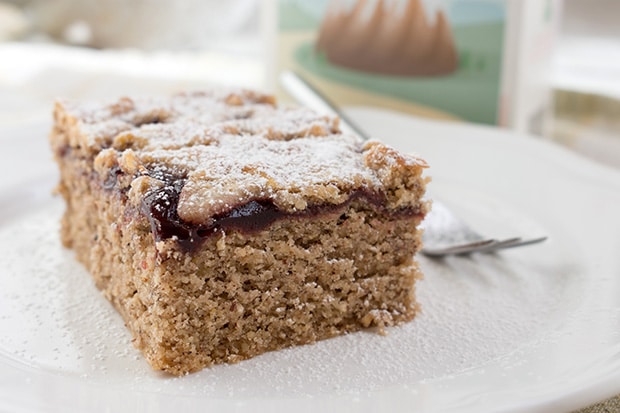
x: 303, y: 92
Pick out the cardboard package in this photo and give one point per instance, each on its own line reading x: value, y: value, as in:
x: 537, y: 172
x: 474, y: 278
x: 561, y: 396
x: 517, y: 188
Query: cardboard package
x: 484, y: 61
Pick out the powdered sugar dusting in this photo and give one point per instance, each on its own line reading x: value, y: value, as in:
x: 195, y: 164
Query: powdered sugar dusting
x: 292, y: 174
x: 230, y: 148
x: 100, y: 122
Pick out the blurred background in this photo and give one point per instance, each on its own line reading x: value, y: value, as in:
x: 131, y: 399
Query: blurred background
x: 105, y: 48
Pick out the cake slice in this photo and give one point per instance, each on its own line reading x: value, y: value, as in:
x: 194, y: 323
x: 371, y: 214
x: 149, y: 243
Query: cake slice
x: 221, y: 226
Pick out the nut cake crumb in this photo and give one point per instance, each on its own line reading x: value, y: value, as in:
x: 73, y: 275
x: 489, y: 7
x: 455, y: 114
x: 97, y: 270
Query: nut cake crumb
x: 222, y: 226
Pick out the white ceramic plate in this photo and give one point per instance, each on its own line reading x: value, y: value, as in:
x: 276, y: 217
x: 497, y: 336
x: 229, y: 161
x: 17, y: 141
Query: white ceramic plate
x: 531, y: 329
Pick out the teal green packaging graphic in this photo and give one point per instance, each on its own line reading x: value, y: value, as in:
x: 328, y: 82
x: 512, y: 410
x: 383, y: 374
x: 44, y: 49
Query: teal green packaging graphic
x: 471, y: 60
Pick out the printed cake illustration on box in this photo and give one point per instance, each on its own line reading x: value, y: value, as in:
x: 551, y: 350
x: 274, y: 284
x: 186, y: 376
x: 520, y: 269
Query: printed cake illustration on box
x: 444, y: 59
x: 389, y: 42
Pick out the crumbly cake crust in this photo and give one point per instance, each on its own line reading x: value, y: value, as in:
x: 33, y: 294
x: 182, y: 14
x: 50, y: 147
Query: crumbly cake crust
x: 222, y: 226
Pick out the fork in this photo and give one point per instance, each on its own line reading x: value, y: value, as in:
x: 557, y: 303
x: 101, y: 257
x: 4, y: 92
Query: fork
x: 444, y: 233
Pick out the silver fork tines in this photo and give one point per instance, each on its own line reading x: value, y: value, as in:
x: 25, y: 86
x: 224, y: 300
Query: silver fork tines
x: 445, y: 234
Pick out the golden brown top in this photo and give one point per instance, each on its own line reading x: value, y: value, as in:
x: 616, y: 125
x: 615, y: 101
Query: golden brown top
x: 230, y: 148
